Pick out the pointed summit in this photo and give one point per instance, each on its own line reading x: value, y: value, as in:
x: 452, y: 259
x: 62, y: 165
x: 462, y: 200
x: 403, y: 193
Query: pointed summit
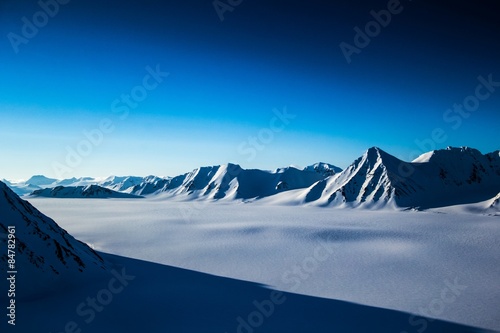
x: 435, y: 179
x: 370, y: 180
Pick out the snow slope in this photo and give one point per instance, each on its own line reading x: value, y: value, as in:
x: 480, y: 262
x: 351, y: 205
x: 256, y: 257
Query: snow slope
x: 439, y: 178
x: 46, y: 255
x: 490, y: 207
x: 159, y: 299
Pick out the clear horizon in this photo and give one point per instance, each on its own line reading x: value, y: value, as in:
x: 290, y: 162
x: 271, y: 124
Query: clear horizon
x: 154, y: 88
x: 102, y: 177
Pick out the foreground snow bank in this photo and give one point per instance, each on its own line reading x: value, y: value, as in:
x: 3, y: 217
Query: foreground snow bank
x: 440, y: 265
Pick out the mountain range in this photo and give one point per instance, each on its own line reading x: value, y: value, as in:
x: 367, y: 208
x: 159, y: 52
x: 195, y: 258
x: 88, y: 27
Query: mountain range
x: 376, y: 179
x: 61, y: 284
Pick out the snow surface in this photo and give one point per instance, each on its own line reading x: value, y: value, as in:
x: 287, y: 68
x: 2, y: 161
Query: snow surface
x: 157, y: 298
x: 388, y: 259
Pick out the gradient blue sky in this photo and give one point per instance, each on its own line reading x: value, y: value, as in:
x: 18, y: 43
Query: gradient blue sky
x: 227, y: 77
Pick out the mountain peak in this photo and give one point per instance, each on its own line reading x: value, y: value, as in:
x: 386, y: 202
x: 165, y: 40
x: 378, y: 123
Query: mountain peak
x: 323, y: 168
x: 376, y: 151
x: 40, y: 180
x: 375, y: 156
x: 233, y: 168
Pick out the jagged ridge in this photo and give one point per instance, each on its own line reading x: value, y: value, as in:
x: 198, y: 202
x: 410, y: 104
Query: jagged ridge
x: 438, y: 178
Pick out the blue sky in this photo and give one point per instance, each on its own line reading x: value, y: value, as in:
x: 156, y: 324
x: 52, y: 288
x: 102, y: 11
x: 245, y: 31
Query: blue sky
x: 227, y: 79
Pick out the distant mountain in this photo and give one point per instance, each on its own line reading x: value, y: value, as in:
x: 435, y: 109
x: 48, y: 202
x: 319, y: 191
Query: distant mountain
x: 83, y: 181
x: 149, y: 185
x: 233, y: 182
x: 376, y: 179
x: 212, y: 182
x: 88, y: 191
x: 121, y: 183
x: 22, y: 188
x: 45, y: 253
x: 40, y: 180
x: 324, y: 169
x: 438, y: 178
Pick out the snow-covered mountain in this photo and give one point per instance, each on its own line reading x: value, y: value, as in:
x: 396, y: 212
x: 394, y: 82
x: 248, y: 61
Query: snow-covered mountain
x: 120, y: 183
x: 88, y: 191
x: 323, y: 168
x: 21, y: 188
x: 377, y: 179
x: 40, y: 180
x: 212, y: 182
x: 233, y: 182
x: 45, y: 253
x: 438, y: 178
